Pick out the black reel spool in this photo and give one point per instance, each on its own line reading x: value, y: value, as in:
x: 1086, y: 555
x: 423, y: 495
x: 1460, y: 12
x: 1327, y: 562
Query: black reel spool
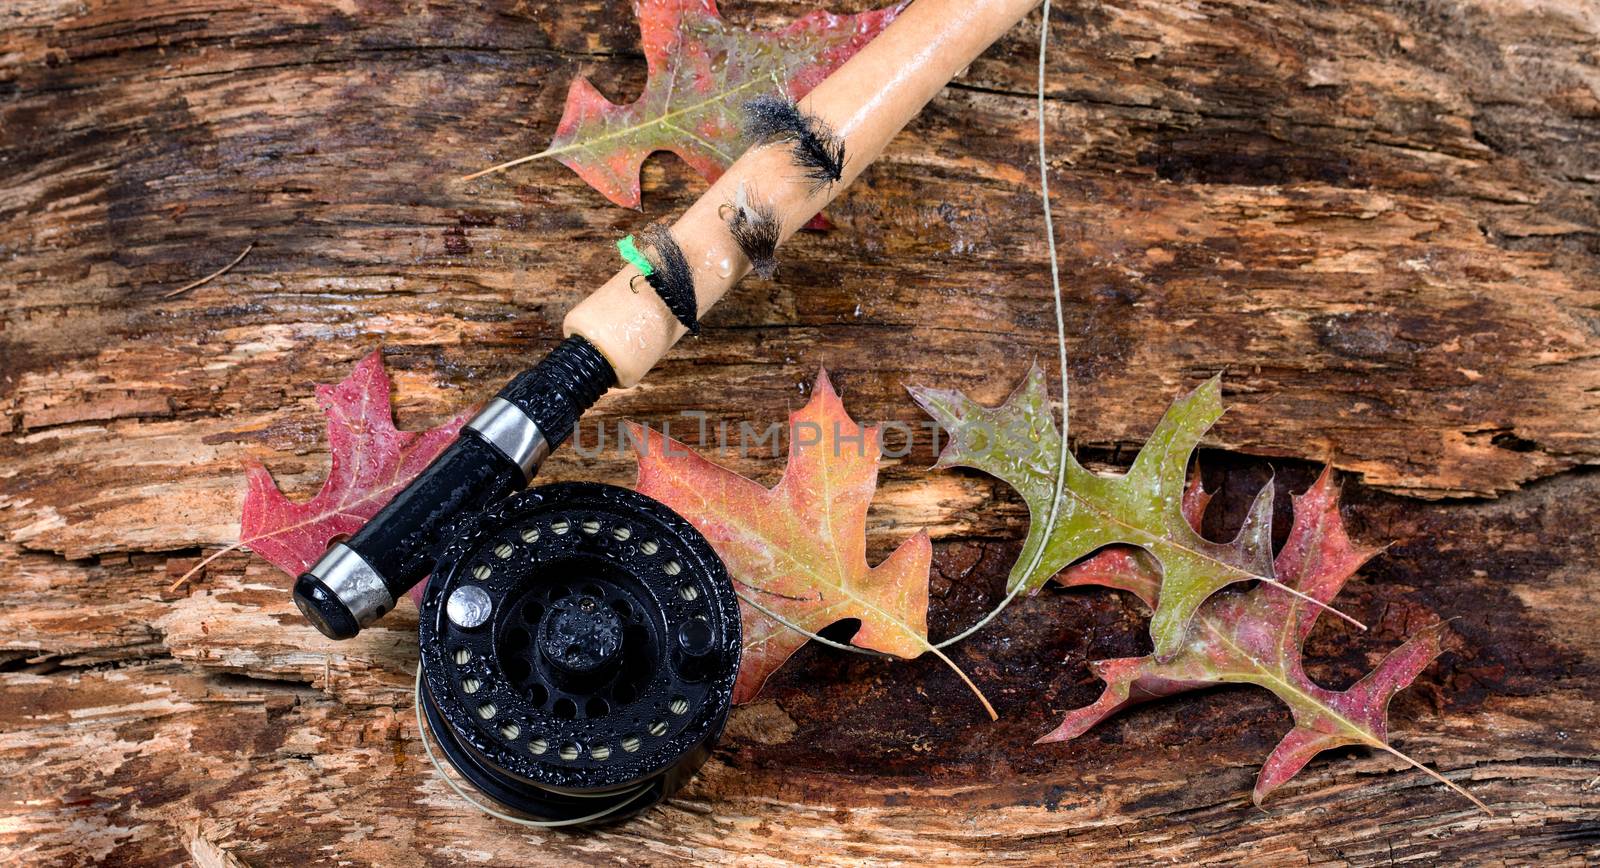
x: 579, y: 647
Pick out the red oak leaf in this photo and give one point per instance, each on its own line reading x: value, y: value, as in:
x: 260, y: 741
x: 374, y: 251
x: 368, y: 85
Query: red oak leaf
x: 701, y: 71
x: 1255, y: 637
x: 799, y: 549
x: 370, y: 462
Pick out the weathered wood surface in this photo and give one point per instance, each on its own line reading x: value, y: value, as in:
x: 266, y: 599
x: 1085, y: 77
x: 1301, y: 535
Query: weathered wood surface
x: 1379, y: 220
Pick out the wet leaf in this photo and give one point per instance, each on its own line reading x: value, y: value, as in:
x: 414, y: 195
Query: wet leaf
x: 701, y: 70
x: 1018, y: 442
x: 1143, y: 531
x: 1256, y: 637
x: 370, y: 462
x: 799, y: 549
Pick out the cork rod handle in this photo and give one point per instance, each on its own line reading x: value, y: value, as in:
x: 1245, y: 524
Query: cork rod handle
x: 866, y: 102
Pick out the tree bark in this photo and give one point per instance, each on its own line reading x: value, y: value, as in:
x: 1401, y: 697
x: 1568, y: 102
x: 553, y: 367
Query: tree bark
x: 1379, y: 221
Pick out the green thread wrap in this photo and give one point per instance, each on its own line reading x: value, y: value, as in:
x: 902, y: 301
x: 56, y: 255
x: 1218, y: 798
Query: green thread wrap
x: 634, y: 257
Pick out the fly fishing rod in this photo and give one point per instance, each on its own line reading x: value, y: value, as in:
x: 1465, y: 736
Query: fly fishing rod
x: 579, y: 641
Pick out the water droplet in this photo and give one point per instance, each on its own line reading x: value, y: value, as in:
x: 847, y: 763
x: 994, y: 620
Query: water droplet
x: 721, y: 267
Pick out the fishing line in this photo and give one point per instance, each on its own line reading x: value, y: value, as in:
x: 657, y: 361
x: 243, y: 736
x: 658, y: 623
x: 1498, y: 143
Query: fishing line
x: 1061, y: 346
x: 869, y: 652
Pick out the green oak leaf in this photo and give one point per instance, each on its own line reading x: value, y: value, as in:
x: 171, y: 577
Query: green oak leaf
x: 1018, y: 442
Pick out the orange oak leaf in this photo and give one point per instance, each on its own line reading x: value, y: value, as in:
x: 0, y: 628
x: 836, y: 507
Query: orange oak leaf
x: 1256, y: 637
x: 370, y: 461
x: 798, y: 551
x: 700, y: 73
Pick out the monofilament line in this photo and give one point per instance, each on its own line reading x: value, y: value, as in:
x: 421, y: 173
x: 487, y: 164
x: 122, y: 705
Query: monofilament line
x: 1061, y: 349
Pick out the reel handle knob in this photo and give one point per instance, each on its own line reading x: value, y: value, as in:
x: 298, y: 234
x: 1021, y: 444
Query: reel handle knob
x: 496, y: 454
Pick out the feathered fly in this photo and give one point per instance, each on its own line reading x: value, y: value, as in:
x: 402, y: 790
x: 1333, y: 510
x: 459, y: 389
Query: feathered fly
x: 670, y: 276
x: 815, y: 147
x: 754, y: 226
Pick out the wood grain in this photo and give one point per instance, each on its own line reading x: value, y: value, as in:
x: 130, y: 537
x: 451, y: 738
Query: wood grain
x: 1379, y: 220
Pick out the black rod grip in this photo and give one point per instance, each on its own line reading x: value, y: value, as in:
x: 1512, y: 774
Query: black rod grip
x: 555, y: 392
x: 495, y: 455
x: 392, y: 551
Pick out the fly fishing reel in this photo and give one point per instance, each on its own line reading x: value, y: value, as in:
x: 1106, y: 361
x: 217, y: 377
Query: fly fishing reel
x: 579, y: 647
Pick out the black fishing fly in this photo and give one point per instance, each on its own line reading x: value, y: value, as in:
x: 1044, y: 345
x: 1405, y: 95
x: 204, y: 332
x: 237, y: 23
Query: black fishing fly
x: 670, y: 276
x: 816, y: 148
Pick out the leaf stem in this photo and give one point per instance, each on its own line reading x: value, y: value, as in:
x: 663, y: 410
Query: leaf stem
x: 213, y: 275
x: 869, y: 652
x: 963, y: 676
x: 510, y: 163
x: 198, y: 567
x: 1312, y: 600
x: 855, y: 649
x: 1436, y: 776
